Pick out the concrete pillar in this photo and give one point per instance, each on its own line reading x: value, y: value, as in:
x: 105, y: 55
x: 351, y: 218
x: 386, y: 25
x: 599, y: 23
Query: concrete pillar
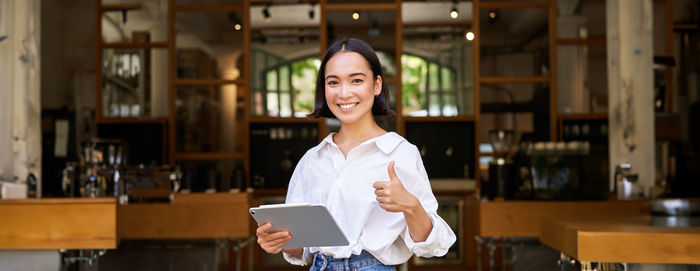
x: 630, y: 88
x: 20, y: 89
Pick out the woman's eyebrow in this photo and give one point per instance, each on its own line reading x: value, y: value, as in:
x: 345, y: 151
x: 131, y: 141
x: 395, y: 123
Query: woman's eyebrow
x: 351, y: 75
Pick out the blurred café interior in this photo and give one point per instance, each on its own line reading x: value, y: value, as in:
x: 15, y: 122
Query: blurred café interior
x: 557, y: 134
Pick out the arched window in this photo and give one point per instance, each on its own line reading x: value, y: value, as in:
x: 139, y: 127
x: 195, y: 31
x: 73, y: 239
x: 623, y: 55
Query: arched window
x: 286, y: 88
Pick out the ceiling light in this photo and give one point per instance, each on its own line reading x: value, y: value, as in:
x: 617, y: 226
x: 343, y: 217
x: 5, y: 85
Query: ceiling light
x: 470, y: 36
x: 454, y: 13
x: 493, y: 16
x: 233, y: 19
x: 266, y: 14
x: 356, y: 15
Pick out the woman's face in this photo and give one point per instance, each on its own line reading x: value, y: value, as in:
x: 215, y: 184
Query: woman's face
x: 350, y: 87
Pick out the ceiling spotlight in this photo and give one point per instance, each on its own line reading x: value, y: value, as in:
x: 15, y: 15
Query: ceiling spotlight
x: 355, y: 15
x: 311, y: 12
x: 493, y: 16
x: 454, y: 13
x: 470, y: 36
x: 266, y: 14
x: 233, y: 18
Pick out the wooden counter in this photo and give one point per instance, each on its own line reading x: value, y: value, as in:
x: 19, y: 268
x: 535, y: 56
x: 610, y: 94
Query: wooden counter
x: 621, y: 239
x: 71, y: 223
x: 188, y: 216
x: 522, y: 218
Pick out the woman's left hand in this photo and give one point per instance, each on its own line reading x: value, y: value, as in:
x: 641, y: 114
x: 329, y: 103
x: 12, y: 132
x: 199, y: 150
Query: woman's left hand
x: 392, y: 196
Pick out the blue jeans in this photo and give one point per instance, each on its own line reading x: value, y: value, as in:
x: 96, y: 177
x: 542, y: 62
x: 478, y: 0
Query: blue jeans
x: 362, y: 262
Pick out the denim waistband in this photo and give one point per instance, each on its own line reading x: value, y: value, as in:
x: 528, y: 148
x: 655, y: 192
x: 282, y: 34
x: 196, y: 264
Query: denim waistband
x: 323, y: 262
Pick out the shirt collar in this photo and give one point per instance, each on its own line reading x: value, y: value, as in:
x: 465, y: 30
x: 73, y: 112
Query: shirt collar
x: 386, y: 142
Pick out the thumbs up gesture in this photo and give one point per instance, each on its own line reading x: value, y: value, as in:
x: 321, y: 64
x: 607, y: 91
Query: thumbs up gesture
x: 392, y: 196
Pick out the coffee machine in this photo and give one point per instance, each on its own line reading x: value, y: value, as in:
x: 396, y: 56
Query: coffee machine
x: 503, y: 179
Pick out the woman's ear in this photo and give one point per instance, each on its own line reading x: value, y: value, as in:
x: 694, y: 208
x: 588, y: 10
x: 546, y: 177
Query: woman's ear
x: 378, y: 86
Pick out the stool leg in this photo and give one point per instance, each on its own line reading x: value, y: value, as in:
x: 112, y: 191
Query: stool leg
x: 586, y: 266
x: 492, y: 251
x: 478, y: 256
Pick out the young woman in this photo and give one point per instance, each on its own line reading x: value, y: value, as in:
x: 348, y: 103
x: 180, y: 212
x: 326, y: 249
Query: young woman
x: 372, y: 181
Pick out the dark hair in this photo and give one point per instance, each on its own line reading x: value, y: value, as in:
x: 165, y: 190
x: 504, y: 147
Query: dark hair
x: 381, y: 101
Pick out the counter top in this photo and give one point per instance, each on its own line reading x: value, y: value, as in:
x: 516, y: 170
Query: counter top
x: 523, y: 218
x: 188, y: 216
x: 99, y: 223
x: 70, y: 223
x: 622, y: 239
x: 59, y: 201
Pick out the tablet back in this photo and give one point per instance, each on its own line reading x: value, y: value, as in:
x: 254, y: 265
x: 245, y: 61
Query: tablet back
x: 310, y: 225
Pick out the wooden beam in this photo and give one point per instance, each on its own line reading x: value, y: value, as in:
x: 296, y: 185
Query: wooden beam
x: 171, y: 80
x: 284, y: 27
x: 680, y: 27
x: 285, y: 2
x: 514, y: 79
x: 512, y: 5
x: 135, y: 45
x: 428, y: 24
x: 398, y: 41
x: 119, y: 7
x: 207, y: 82
x: 362, y: 6
x: 98, y: 65
x: 553, y: 90
x: 247, y: 104
x: 209, y: 7
x: 476, y: 55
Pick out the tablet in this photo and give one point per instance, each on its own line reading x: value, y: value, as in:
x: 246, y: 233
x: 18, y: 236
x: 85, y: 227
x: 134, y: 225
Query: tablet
x: 311, y: 225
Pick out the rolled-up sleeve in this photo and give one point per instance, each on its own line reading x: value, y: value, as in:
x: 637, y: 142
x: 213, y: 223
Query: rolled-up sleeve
x: 441, y: 236
x: 438, y: 242
x: 303, y: 260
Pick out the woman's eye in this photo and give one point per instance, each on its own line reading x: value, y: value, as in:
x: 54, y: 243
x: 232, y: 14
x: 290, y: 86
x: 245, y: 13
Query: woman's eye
x: 357, y: 81
x: 332, y: 83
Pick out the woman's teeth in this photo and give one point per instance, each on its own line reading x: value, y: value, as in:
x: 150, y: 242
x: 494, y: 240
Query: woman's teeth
x: 347, y: 106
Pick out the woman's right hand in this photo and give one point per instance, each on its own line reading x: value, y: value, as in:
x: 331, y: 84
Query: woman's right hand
x: 272, y: 242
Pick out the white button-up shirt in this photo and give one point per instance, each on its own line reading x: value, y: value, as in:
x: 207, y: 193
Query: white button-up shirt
x: 325, y: 176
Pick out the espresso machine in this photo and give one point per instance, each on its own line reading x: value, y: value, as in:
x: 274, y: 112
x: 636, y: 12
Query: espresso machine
x: 503, y: 173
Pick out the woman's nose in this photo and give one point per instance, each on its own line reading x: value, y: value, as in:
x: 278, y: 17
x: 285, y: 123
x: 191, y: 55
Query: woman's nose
x: 345, y: 91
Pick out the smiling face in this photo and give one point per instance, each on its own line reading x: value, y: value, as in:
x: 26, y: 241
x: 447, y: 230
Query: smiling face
x: 350, y: 87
